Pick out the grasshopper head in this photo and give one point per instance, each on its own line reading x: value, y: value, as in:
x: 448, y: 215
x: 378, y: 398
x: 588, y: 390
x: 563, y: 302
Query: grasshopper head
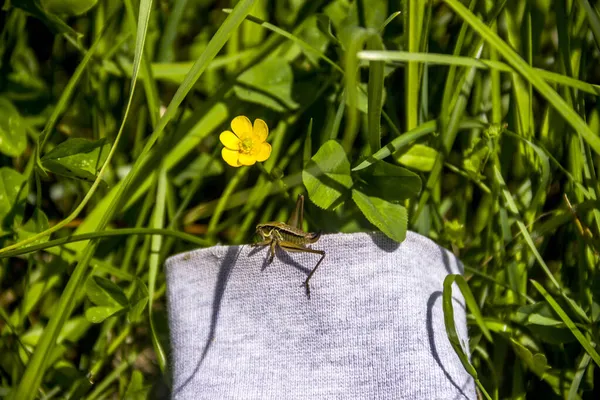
x: 264, y: 230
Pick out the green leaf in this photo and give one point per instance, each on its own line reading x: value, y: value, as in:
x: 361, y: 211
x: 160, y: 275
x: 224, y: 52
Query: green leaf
x: 268, y: 84
x: 398, y: 143
x: 419, y: 157
x: 138, y: 301
x: 537, y: 314
x: 390, y: 218
x: 314, y: 37
x: 136, y: 390
x: 324, y: 25
x: 13, y: 138
x: 536, y: 362
x: 36, y: 224
x: 68, y: 7
x: 98, y: 314
x: 74, y: 329
x: 475, y: 158
x: 77, y: 158
x: 551, y: 334
x: 104, y: 292
x: 406, y: 138
x: 13, y: 192
x: 542, y: 322
x: 34, y: 8
x: 35, y: 292
x: 454, y: 233
x: 389, y: 182
x: 327, y: 175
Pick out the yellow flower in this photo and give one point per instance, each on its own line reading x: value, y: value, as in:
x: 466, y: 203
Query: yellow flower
x: 246, y: 144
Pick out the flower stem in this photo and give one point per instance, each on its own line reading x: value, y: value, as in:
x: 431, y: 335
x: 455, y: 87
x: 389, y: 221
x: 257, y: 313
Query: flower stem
x: 221, y: 205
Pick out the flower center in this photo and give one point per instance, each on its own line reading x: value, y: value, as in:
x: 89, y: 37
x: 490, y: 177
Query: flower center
x: 246, y: 145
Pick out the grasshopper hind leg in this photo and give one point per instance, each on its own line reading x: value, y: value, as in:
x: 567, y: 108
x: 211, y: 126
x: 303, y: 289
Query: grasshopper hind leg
x: 305, y: 284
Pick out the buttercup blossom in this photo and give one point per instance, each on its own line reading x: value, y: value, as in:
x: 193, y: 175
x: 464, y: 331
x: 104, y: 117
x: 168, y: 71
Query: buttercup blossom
x: 246, y: 144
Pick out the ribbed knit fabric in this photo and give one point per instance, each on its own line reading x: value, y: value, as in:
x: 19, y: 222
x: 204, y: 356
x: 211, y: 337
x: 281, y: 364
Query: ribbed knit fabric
x: 372, y: 329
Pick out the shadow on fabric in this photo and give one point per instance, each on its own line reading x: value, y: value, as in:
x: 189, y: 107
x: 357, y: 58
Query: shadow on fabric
x: 224, y: 271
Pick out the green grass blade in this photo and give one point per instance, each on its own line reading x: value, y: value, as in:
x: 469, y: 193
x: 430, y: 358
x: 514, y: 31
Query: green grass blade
x: 450, y: 94
x: 149, y: 84
x: 107, y: 234
x: 222, y: 203
x: 375, y: 95
x: 110, y: 378
x: 416, y: 9
x: 511, y: 205
x: 307, y: 153
x: 358, y: 38
x: 559, y: 104
x: 388, y: 20
x: 579, y: 373
x: 198, y: 129
x: 593, y: 19
x: 145, y: 8
x: 518, y: 19
x: 405, y: 139
x: 445, y: 59
x: 589, y: 347
x: 212, y: 49
x: 167, y: 41
x: 449, y: 131
x: 540, y: 194
x: 69, y: 90
x: 292, y: 37
x: 448, y: 308
x: 36, y: 368
x: 158, y: 222
x: 469, y: 300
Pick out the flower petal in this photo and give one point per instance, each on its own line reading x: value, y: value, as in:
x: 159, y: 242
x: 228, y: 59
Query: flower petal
x: 261, y: 130
x: 264, y: 152
x: 229, y: 140
x: 230, y: 156
x: 242, y: 126
x: 247, y: 159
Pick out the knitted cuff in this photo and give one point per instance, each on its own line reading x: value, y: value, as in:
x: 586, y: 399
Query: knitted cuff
x: 372, y: 328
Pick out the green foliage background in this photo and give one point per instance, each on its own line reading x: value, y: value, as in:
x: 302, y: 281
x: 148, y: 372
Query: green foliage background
x: 473, y: 122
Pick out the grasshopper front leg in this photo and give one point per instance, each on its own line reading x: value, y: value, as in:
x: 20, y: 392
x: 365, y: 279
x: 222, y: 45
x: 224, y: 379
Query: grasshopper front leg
x: 272, y: 244
x: 272, y: 248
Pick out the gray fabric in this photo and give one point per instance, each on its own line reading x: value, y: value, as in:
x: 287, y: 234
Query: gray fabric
x: 372, y: 329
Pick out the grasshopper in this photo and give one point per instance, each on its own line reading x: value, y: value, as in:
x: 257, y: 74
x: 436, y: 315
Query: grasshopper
x: 290, y: 237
